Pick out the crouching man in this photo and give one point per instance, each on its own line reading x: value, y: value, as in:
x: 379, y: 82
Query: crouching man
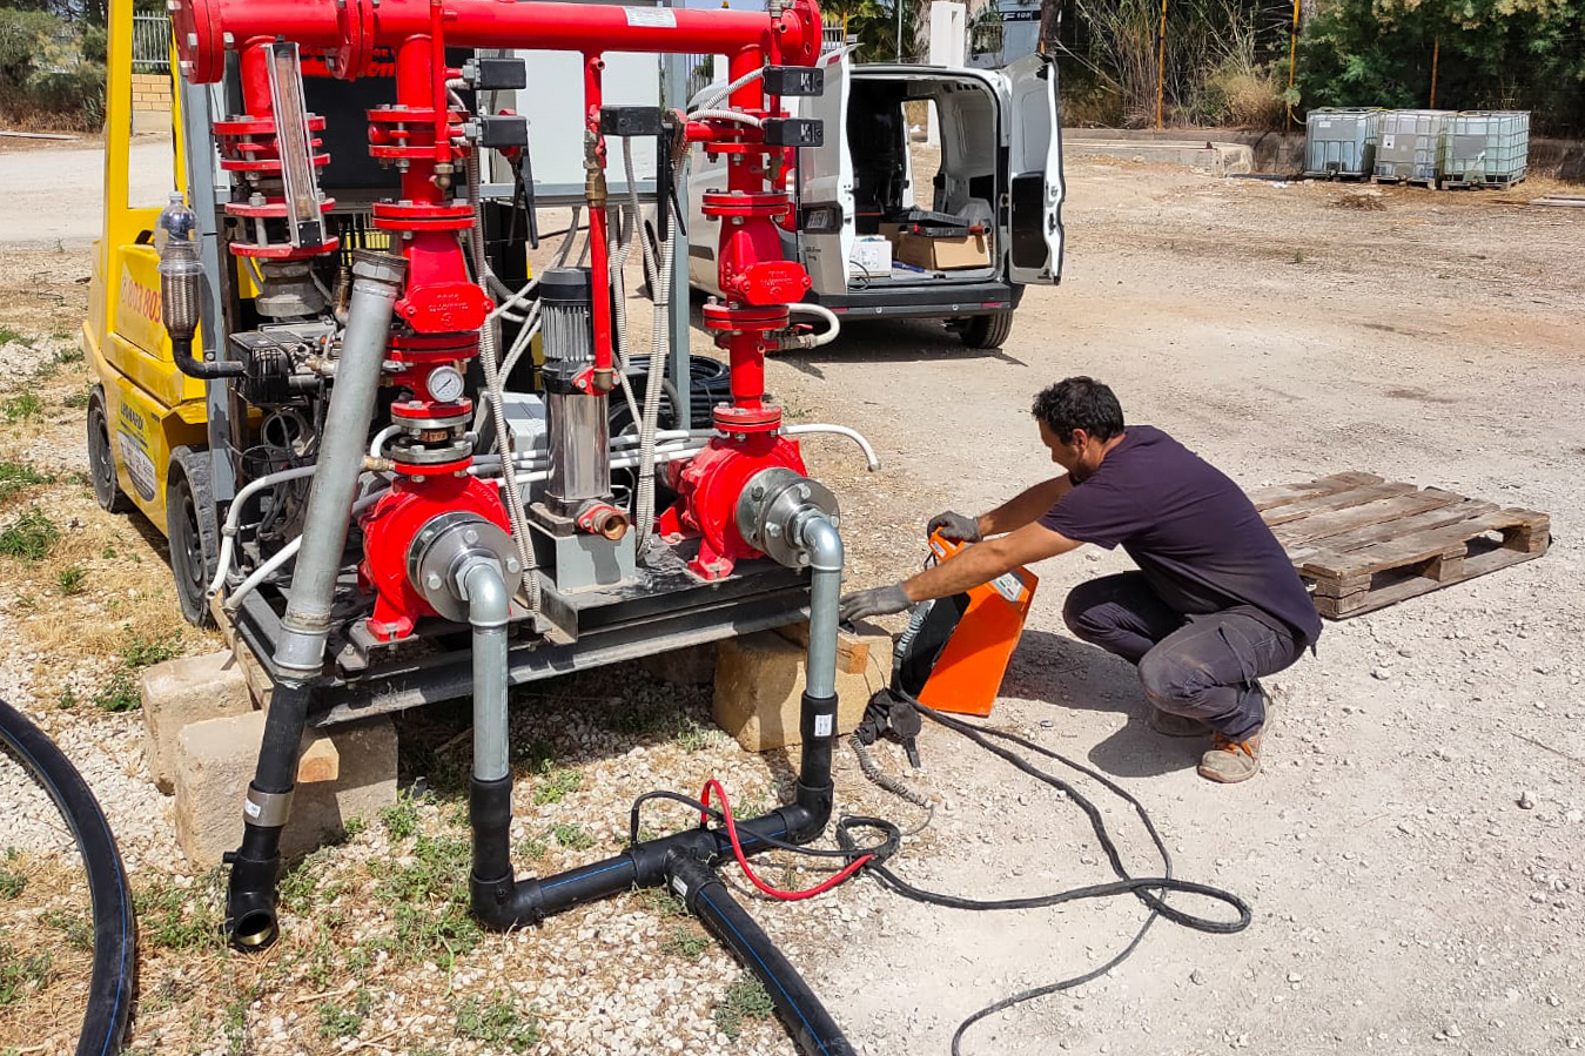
x: 1215, y: 603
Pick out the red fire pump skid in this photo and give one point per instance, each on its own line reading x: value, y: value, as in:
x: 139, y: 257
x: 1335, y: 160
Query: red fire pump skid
x: 339, y: 336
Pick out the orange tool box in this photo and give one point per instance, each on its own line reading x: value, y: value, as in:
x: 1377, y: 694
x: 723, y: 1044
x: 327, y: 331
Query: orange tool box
x: 956, y: 655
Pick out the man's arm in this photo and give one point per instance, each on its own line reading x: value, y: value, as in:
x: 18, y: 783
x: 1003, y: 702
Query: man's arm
x: 1024, y: 508
x: 983, y: 562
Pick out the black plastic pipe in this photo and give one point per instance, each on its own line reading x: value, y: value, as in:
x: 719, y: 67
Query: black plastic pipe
x: 255, y: 866
x: 193, y: 367
x: 811, y: 1026
x: 111, y: 982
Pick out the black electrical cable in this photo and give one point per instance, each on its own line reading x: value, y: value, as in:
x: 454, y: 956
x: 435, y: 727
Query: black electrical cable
x: 110, y: 986
x: 891, y: 834
x: 1143, y: 888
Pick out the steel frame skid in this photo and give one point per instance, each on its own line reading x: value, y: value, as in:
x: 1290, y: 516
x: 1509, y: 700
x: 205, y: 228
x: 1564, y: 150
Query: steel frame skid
x: 748, y: 531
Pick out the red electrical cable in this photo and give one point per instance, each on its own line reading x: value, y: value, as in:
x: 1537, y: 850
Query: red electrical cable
x: 737, y: 849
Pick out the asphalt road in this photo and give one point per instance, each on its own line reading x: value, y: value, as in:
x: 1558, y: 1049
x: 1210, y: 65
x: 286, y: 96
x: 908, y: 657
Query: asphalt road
x: 55, y: 196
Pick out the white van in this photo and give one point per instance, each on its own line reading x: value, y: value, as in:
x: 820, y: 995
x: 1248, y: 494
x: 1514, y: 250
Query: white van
x: 999, y: 191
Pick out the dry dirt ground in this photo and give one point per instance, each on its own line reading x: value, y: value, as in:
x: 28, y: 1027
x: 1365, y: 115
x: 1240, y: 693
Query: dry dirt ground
x: 1403, y: 899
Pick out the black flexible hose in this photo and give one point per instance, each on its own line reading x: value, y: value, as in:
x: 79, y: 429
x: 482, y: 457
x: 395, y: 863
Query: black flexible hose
x: 193, y: 367
x: 110, y: 988
x: 812, y: 1028
x: 1144, y: 888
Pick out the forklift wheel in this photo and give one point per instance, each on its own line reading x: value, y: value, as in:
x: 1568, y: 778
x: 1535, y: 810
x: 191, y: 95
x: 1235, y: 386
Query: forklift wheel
x: 987, y: 331
x: 192, y: 531
x: 102, y: 459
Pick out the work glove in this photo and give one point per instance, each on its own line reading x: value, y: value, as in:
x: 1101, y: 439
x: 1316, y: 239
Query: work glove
x: 877, y: 601
x: 955, y: 526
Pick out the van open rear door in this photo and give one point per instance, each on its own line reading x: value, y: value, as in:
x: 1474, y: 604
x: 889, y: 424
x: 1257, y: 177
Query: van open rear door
x: 1035, y: 168
x: 825, y: 192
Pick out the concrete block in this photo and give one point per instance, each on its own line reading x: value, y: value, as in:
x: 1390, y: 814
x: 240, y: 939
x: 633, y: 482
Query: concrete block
x: 692, y: 666
x: 179, y: 692
x: 345, y: 772
x: 759, y: 684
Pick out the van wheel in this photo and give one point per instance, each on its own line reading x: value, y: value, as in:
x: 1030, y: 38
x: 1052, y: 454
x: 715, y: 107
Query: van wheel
x: 192, y: 532
x: 102, y: 459
x: 987, y: 331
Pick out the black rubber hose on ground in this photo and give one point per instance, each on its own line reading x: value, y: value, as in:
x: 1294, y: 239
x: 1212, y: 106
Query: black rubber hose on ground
x: 812, y: 1028
x: 115, y: 944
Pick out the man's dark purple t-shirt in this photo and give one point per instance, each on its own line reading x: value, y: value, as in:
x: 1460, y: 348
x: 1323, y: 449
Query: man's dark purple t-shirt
x: 1192, y: 531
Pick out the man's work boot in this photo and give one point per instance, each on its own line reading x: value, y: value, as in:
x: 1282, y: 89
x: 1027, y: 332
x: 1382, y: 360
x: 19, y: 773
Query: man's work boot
x: 1171, y: 725
x: 1230, y: 762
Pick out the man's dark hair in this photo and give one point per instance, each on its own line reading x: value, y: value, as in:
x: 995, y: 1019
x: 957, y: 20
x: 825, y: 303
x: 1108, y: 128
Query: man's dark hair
x: 1079, y: 403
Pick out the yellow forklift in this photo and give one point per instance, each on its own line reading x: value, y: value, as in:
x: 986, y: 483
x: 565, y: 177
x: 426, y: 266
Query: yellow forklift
x: 148, y: 423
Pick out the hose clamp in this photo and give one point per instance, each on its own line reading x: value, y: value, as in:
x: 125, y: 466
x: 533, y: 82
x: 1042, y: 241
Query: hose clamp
x: 266, y: 809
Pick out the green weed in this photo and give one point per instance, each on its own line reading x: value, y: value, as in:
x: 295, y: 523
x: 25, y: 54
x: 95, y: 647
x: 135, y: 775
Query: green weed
x: 401, y: 818
x: 31, y: 536
x: 553, y: 785
x: 76, y: 401
x: 498, y: 1024
x: 352, y: 828
x: 234, y: 1022
x: 14, y: 477
x: 143, y: 652
x: 661, y: 902
x: 77, y: 929
x: 21, y: 975
x: 431, y: 901
x: 304, y: 884
x: 70, y: 580
x: 177, y: 918
x: 120, y: 694
x: 744, y: 999
x: 531, y: 848
x: 70, y: 354
x: 23, y: 407
x: 689, y: 735
x: 573, y: 837
x: 67, y: 699
x: 338, y: 1022
x: 12, y: 883
x: 10, y: 336
x: 686, y: 942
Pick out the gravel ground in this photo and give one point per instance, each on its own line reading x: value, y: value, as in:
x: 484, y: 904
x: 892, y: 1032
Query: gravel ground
x: 1411, y: 852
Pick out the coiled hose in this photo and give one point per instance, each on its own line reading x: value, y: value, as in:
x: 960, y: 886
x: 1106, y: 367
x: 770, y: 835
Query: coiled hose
x: 110, y: 988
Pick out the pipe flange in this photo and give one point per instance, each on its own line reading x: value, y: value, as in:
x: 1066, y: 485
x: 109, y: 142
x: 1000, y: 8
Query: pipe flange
x: 445, y: 545
x: 410, y: 451
x: 771, y: 503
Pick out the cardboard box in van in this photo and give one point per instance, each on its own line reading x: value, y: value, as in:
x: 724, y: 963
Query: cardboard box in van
x: 943, y: 254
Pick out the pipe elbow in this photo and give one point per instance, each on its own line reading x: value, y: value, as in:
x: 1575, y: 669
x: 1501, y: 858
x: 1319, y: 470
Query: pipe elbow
x: 824, y: 543
x: 484, y: 588
x: 193, y: 367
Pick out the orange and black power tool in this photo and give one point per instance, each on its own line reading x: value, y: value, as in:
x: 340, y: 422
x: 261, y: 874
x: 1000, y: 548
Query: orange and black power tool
x: 955, y: 651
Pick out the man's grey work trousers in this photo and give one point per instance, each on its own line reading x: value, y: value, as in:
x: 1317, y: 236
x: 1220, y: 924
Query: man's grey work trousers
x: 1202, y: 666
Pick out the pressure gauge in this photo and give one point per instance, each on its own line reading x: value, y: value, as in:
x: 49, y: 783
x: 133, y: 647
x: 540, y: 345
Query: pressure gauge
x: 446, y: 384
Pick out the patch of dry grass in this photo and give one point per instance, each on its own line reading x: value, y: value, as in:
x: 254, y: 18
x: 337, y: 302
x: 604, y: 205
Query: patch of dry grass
x: 46, y: 952
x: 104, y: 581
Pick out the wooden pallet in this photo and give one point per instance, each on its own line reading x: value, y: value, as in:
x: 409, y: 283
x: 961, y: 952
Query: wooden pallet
x: 1363, y: 542
x: 1480, y: 183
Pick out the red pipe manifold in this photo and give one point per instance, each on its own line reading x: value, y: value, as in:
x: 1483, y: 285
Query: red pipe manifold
x: 441, y: 309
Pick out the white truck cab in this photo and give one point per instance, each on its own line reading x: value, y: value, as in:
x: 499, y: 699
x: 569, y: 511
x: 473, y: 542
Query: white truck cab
x: 996, y: 225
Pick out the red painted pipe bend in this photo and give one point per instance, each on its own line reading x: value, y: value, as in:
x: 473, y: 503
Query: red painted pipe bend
x: 352, y: 28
